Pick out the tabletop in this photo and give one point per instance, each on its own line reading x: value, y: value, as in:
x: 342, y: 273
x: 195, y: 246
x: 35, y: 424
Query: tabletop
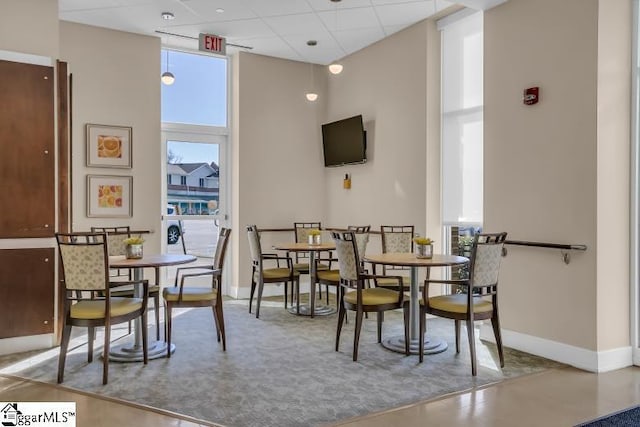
x: 408, y: 259
x: 119, y: 261
x: 304, y: 246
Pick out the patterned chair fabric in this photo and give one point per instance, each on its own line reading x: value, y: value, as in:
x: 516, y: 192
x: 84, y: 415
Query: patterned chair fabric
x: 88, y: 302
x: 261, y: 274
x: 355, y: 296
x: 479, y: 300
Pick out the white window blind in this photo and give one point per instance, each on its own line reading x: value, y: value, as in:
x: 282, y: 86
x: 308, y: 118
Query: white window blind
x: 462, y: 127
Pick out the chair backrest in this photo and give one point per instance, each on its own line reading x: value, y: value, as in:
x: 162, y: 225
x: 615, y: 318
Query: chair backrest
x: 347, y: 252
x: 359, y: 228
x: 85, y: 261
x: 254, y: 244
x: 484, y: 265
x: 302, y: 235
x: 115, y: 238
x: 221, y: 248
x: 396, y: 238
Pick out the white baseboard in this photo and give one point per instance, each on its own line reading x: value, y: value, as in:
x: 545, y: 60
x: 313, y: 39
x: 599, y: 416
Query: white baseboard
x: 20, y: 344
x: 581, y: 358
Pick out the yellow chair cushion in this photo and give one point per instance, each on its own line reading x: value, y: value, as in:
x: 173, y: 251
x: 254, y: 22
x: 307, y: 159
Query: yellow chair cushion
x: 457, y: 303
x: 278, y: 273
x: 392, y: 282
x: 189, y: 294
x: 329, y: 275
x: 128, y: 291
x: 304, y: 266
x: 373, y: 296
x: 95, y: 309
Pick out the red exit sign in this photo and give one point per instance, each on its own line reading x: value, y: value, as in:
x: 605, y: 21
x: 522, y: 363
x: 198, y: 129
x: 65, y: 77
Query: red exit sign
x: 212, y: 43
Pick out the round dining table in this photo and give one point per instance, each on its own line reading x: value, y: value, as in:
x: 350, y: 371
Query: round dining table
x: 312, y: 248
x: 133, y: 352
x: 408, y: 259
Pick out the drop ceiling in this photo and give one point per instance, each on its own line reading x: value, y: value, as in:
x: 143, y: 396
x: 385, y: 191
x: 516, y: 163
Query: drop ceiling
x: 279, y: 28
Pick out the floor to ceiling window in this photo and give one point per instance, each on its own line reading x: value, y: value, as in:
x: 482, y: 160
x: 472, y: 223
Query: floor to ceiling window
x: 462, y: 126
x: 195, y: 137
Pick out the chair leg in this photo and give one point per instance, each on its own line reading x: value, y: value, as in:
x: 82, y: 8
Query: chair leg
x: 457, y: 326
x: 472, y: 347
x: 356, y: 334
x: 167, y: 321
x: 105, y: 354
x: 91, y: 336
x: 260, y: 287
x: 379, y: 327
x: 253, y: 289
x: 341, y: 313
x: 156, y: 308
x: 421, y: 334
x: 286, y: 287
x: 495, y: 322
x: 215, y: 322
x: 407, y: 321
x: 145, y: 338
x: 64, y: 346
x: 297, y: 285
x: 220, y: 325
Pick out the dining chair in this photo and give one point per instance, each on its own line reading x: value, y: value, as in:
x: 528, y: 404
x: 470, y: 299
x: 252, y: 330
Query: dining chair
x: 396, y: 238
x: 85, y: 266
x: 117, y: 247
x: 269, y: 273
x: 356, y: 297
x: 301, y: 259
x: 183, y: 296
x: 331, y: 277
x: 479, y: 299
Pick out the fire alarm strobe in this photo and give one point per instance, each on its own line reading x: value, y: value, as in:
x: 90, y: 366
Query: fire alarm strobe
x: 530, y: 96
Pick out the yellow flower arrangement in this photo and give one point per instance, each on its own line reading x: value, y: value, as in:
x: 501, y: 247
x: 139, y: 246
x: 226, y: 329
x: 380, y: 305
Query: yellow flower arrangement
x: 422, y: 240
x: 133, y: 241
x: 314, y: 232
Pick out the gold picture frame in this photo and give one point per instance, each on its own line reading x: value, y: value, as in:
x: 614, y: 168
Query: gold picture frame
x: 109, y: 146
x: 109, y: 196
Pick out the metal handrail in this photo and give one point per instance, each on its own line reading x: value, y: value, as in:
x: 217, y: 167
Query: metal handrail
x: 563, y: 247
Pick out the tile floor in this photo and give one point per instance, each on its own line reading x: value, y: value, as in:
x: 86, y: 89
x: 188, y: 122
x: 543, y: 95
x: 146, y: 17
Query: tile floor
x: 557, y: 397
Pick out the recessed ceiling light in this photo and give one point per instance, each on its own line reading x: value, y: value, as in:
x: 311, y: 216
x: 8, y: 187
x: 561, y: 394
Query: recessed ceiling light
x: 336, y: 1
x: 168, y: 16
x: 220, y: 10
x: 312, y: 42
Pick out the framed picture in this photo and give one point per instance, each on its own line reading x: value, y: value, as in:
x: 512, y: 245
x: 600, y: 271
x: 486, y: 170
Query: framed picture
x: 109, y: 196
x: 108, y: 146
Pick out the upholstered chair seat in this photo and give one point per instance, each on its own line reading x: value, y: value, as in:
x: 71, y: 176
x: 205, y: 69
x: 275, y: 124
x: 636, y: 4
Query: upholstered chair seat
x: 372, y: 296
x: 95, y: 309
x: 189, y: 294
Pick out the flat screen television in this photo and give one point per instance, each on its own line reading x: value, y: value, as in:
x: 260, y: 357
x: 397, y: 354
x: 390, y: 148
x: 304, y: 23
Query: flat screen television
x: 344, y: 142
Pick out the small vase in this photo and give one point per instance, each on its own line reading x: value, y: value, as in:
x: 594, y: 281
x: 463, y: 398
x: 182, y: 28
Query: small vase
x: 134, y: 251
x: 314, y: 239
x: 424, y: 251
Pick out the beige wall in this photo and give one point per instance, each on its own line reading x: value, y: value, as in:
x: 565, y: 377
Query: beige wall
x: 277, y: 152
x: 387, y: 84
x: 117, y: 84
x: 543, y: 179
x: 30, y: 26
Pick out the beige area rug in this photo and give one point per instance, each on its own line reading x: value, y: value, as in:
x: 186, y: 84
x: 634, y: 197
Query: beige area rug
x: 280, y: 370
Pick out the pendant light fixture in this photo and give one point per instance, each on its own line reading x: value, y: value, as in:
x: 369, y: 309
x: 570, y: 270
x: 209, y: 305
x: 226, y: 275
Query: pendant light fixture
x: 311, y: 94
x: 335, y: 67
x: 167, y: 77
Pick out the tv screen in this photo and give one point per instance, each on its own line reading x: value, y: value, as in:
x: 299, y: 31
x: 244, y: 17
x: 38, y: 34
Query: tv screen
x: 344, y: 142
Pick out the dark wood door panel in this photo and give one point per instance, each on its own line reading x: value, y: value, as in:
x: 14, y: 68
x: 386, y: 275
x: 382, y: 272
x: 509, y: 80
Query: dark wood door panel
x: 27, y: 180
x: 27, y: 285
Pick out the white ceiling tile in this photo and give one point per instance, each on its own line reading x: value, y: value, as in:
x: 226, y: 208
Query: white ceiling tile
x: 404, y: 13
x: 249, y: 28
x: 347, y: 19
x: 279, y: 7
x: 271, y: 46
x: 295, y: 24
x: 354, y: 40
x: 320, y: 5
x: 233, y: 10
x: 326, y: 46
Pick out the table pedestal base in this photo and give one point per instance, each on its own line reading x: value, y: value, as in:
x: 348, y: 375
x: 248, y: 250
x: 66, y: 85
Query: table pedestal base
x: 431, y: 345
x: 133, y: 353
x: 318, y: 310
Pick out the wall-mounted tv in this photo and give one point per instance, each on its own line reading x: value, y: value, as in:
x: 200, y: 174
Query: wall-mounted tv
x: 344, y: 142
